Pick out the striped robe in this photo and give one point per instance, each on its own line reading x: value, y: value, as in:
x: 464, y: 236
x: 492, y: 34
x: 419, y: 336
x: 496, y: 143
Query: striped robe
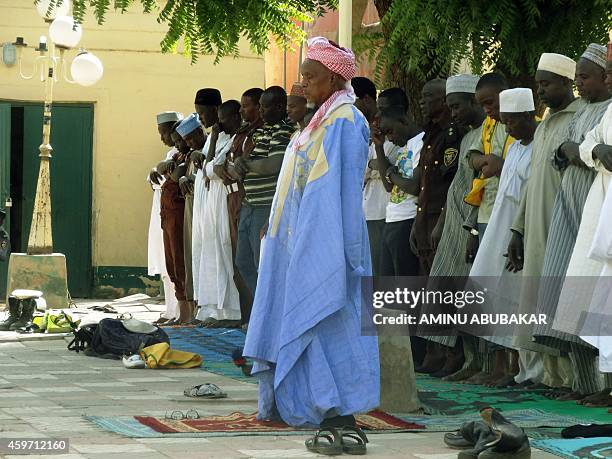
x: 450, y: 255
x: 567, y: 214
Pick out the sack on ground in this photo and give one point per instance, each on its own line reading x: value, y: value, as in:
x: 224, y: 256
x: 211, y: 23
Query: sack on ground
x: 111, y: 338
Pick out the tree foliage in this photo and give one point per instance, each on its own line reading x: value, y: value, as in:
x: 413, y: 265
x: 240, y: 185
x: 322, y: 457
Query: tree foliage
x: 216, y: 26
x: 422, y: 39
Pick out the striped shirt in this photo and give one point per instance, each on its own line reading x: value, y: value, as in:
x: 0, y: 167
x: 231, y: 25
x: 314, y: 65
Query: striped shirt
x: 270, y: 140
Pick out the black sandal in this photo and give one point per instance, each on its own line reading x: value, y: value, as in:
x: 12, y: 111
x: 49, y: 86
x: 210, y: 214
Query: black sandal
x: 357, y: 440
x: 331, y: 447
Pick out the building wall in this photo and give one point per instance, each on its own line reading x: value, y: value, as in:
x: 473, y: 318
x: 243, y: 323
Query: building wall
x: 138, y: 82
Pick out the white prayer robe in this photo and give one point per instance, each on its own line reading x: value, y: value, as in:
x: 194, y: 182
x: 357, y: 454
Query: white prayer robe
x: 488, y: 270
x: 216, y: 291
x: 156, y: 260
x: 592, y: 255
x: 197, y: 228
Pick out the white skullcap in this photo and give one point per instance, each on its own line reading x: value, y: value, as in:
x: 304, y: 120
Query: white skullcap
x: 516, y: 100
x: 558, y: 64
x: 169, y: 117
x: 596, y: 53
x: 462, y: 83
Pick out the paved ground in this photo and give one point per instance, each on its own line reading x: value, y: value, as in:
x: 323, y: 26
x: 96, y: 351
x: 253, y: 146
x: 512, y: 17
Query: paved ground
x: 46, y: 390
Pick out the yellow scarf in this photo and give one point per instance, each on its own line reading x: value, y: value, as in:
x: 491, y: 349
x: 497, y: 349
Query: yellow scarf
x: 474, y: 197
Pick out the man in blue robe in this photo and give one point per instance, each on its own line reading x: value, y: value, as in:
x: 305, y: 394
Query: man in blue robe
x: 315, y: 367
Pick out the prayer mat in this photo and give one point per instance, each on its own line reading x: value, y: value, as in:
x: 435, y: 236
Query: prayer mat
x: 130, y: 426
x: 448, y: 398
x: 215, y: 345
x: 576, y: 448
x: 372, y: 421
x: 527, y: 419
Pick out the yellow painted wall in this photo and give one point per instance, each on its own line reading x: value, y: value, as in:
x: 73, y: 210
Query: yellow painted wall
x: 138, y: 82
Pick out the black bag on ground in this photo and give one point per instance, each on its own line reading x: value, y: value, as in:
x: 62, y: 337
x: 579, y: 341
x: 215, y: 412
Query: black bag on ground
x: 82, y: 337
x: 112, y: 338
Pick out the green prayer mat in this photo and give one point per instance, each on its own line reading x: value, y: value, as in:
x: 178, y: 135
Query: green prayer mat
x: 444, y: 397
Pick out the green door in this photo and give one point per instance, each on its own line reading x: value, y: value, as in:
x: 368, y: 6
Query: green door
x: 5, y: 180
x: 71, y: 186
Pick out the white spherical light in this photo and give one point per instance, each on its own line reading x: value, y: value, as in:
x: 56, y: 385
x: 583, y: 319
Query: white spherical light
x: 57, y: 10
x: 64, y: 31
x: 86, y: 69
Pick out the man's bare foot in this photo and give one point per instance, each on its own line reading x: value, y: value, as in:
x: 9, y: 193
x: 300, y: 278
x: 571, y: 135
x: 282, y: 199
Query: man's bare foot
x: 599, y: 400
x: 478, y: 378
x: 506, y: 381
x: 556, y: 392
x: 570, y: 397
x: 492, y: 380
x: 460, y: 375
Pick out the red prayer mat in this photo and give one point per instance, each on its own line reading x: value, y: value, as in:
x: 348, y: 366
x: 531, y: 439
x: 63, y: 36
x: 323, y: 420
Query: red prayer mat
x: 240, y: 422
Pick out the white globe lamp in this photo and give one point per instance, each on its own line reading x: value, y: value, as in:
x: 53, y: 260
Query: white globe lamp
x: 86, y: 69
x: 45, y: 12
x: 65, y: 32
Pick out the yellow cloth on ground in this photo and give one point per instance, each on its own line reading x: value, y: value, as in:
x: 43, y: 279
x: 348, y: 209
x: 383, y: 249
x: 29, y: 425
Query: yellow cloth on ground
x: 161, y: 356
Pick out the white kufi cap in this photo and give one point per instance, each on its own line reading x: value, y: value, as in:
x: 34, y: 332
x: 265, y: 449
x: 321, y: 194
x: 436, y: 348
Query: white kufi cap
x: 169, y: 117
x: 596, y: 53
x: 558, y: 64
x: 516, y: 100
x: 462, y: 83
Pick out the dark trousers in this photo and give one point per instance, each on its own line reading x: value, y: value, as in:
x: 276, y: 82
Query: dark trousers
x: 252, y: 219
x: 375, y: 231
x: 234, y: 204
x: 172, y: 222
x: 396, y: 257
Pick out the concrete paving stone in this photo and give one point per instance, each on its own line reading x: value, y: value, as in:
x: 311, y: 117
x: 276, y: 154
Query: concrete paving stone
x: 151, y: 455
x: 60, y: 423
x: 241, y: 388
x: 7, y: 347
x: 154, y: 442
x: 47, y: 456
x: 104, y: 384
x: 75, y: 372
x: 15, y: 393
x: 28, y: 411
x: 143, y: 379
x: 148, y: 396
x: 184, y: 374
x: 111, y: 448
x: 16, y: 433
x: 204, y: 451
x: 80, y: 403
x: 29, y: 376
x: 61, y: 389
x: 282, y: 453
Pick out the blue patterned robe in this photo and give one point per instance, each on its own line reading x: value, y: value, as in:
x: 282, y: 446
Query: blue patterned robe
x: 305, y: 329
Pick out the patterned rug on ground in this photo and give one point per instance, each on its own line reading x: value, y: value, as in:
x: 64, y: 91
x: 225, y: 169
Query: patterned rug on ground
x: 215, y: 345
x: 527, y: 419
x: 577, y: 448
x: 234, y: 424
x: 443, y: 397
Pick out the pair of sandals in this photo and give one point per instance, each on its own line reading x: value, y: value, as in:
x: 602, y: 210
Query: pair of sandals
x: 206, y: 390
x: 333, y: 442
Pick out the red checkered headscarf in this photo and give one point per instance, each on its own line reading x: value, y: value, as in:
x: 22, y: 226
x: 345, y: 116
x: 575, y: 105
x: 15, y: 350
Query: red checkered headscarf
x: 336, y: 58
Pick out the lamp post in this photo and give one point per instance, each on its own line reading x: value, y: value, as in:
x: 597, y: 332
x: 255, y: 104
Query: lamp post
x: 85, y: 69
x: 64, y: 34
